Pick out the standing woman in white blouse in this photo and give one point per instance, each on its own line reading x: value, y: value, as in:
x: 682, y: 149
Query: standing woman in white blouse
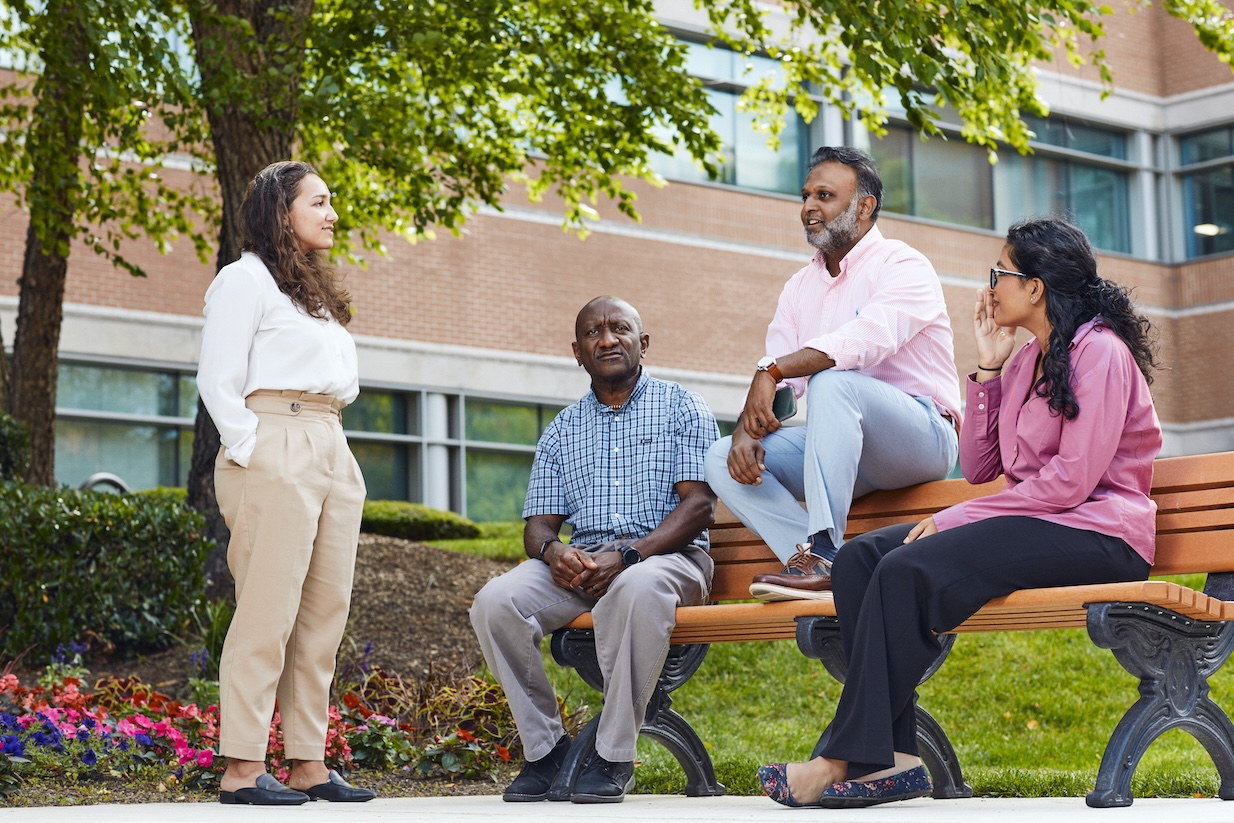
x: 276, y: 368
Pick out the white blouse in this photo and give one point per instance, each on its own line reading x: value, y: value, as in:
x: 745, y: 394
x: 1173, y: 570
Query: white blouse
x: 255, y: 338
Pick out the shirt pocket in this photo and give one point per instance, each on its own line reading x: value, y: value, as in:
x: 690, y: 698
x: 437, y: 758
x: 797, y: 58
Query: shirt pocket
x: 654, y: 465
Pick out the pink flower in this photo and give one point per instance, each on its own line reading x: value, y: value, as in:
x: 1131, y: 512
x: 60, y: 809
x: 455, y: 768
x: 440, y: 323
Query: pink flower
x: 143, y: 721
x: 205, y: 758
x: 126, y: 727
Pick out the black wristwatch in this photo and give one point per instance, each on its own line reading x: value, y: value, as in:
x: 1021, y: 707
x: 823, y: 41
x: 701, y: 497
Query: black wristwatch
x: 630, y: 556
x: 544, y: 546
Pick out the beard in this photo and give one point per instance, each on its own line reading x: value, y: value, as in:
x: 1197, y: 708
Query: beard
x: 840, y: 232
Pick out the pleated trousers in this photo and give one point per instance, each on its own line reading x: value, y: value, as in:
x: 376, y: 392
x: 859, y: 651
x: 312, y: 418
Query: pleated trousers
x: 294, y: 514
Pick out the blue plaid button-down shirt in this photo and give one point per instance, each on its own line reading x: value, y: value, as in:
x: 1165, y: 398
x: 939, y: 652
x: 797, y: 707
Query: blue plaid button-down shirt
x: 611, y: 473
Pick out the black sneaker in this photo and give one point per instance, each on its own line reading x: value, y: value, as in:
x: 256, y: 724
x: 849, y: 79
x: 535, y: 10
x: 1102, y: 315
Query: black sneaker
x: 536, y: 776
x: 603, y: 782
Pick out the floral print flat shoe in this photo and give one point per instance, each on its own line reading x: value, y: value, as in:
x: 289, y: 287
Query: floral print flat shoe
x: 853, y: 794
x: 774, y: 778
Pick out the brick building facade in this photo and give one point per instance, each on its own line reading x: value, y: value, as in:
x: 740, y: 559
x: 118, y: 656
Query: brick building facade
x: 465, y: 342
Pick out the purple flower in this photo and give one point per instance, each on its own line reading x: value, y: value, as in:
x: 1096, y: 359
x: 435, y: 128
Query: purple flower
x: 143, y: 739
x: 89, y: 757
x: 12, y: 744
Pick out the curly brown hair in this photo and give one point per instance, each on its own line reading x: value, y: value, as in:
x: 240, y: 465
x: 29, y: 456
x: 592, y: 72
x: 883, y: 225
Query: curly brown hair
x: 310, y: 280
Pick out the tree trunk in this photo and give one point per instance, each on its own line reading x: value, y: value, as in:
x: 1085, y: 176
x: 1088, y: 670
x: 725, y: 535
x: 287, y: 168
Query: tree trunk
x: 4, y: 378
x: 253, y: 127
x: 36, y: 352
x: 54, y: 151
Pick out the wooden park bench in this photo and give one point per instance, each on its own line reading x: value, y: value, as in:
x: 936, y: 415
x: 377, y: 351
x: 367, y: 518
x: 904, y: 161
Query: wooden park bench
x: 1170, y: 636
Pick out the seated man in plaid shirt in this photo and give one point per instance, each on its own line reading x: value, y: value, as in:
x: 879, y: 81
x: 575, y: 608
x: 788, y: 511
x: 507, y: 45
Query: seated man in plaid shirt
x: 624, y: 466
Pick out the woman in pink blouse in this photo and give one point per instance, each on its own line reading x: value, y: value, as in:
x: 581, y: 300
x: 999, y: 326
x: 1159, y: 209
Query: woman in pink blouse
x: 1068, y: 419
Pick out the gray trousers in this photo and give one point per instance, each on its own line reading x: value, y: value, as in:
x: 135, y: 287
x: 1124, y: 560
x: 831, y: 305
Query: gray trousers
x: 633, y: 621
x: 861, y: 434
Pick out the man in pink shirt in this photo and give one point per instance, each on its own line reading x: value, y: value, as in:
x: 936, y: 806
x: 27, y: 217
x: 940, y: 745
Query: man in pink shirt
x: 863, y: 333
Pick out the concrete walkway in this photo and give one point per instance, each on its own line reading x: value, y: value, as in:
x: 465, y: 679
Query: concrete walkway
x: 640, y: 809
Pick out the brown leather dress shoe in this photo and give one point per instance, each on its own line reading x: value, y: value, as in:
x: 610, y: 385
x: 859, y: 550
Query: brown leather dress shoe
x: 806, y: 577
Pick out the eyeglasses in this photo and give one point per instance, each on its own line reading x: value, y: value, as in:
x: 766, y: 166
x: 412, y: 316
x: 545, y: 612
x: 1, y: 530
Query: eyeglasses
x: 994, y: 273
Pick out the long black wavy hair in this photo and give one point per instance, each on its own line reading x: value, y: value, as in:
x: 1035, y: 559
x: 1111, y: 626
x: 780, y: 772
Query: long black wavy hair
x: 1057, y: 253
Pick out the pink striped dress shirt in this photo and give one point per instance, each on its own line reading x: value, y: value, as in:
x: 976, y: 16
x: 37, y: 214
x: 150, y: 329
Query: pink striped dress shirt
x: 884, y: 316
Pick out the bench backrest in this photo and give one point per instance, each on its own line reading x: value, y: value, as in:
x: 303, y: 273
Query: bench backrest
x: 1195, y: 521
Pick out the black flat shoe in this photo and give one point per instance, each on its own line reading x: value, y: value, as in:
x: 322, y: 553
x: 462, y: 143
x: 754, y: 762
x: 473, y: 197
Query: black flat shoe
x: 338, y: 790
x: 268, y: 792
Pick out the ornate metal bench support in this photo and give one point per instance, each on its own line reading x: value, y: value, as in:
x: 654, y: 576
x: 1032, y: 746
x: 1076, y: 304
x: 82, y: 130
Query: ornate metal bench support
x: 1173, y: 656
x: 576, y: 649
x: 819, y: 638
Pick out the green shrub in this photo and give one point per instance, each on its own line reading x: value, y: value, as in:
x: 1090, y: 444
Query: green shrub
x: 118, y: 570
x: 14, y: 447
x: 177, y: 495
x: 411, y: 521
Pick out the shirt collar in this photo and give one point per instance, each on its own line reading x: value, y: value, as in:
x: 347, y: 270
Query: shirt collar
x: 855, y: 255
x: 639, y: 388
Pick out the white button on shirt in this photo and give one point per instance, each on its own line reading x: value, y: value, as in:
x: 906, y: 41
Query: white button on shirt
x: 255, y: 338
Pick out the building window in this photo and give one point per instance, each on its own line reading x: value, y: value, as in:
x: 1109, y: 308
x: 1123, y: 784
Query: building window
x: 747, y: 159
x: 470, y: 454
x: 135, y: 423
x: 379, y: 424
x: 1207, y: 160
x: 1073, y: 182
x: 501, y: 442
x: 1075, y: 169
x: 921, y: 178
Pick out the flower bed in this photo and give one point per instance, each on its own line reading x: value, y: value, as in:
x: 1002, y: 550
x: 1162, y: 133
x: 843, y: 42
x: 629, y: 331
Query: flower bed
x: 124, y: 726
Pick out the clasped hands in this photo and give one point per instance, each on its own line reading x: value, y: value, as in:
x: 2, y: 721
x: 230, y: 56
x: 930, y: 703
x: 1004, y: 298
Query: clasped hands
x: 589, y: 570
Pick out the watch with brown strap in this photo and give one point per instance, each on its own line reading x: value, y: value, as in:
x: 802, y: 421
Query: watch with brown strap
x: 768, y: 364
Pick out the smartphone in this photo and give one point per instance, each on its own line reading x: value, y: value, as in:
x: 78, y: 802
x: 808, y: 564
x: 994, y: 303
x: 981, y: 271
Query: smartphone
x: 784, y: 405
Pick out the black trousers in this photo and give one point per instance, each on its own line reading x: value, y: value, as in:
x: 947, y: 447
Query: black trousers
x: 891, y: 598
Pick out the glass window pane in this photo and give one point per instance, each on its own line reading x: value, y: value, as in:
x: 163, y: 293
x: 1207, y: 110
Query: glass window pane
x: 952, y: 183
x: 709, y: 63
x: 681, y: 166
x: 1098, y: 201
x: 496, y: 485
x: 187, y: 436
x: 1060, y: 131
x: 1028, y: 186
x: 384, y: 466
x: 893, y: 156
x: 128, y: 391
x: 377, y: 411
x: 761, y: 167
x: 141, y: 456
x: 188, y: 396
x: 496, y: 422
x: 1209, y: 203
x: 1207, y: 145
x: 922, y: 178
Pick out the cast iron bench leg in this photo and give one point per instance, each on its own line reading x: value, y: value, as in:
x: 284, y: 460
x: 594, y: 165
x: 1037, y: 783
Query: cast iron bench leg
x: 819, y: 638
x: 1173, y: 656
x: 576, y: 649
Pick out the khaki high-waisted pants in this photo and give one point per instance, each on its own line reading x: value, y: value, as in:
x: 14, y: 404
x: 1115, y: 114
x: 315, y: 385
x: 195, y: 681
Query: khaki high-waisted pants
x: 294, y: 515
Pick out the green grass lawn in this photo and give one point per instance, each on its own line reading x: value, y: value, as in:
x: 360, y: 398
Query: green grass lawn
x: 1029, y: 713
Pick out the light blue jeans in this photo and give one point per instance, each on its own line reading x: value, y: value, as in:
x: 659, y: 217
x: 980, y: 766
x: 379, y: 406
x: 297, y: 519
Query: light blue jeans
x: 861, y: 434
